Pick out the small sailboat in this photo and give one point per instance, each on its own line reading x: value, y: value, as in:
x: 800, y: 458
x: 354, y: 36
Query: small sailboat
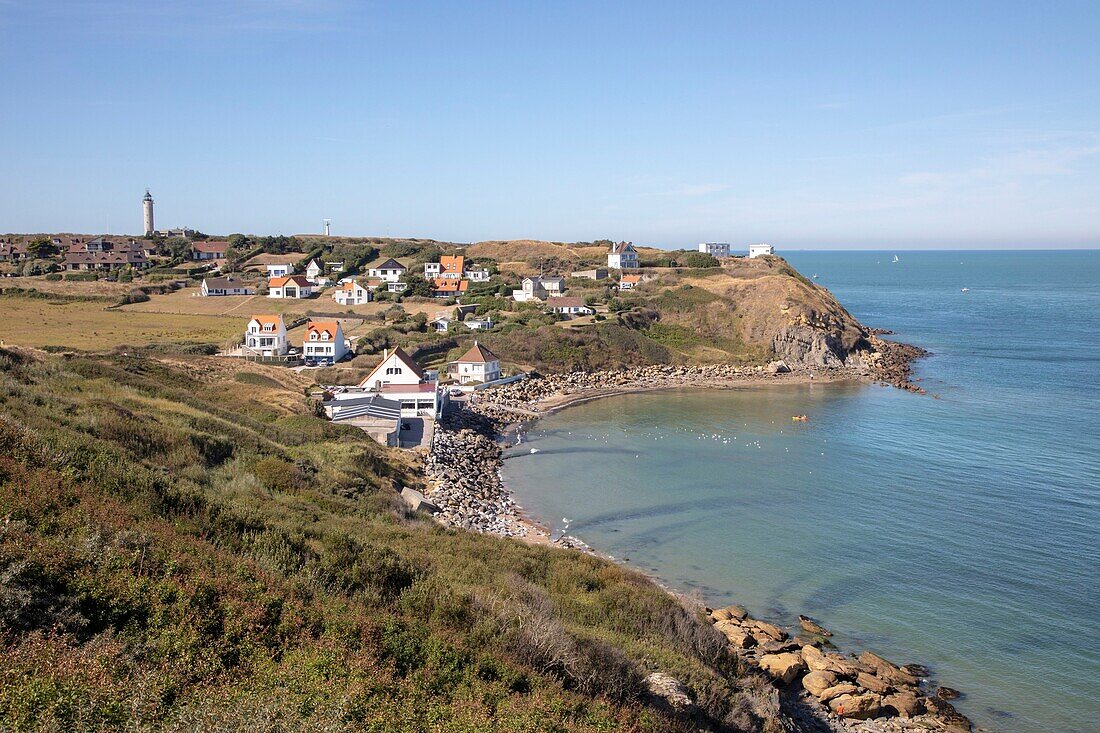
x: 966, y: 290
x: 896, y: 258
x: 534, y: 450
x: 815, y: 276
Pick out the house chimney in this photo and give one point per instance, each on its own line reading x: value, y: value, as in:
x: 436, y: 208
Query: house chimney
x: 385, y: 354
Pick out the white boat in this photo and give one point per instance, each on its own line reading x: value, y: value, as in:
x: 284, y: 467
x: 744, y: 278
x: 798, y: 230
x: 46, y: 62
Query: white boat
x: 966, y: 290
x: 896, y: 258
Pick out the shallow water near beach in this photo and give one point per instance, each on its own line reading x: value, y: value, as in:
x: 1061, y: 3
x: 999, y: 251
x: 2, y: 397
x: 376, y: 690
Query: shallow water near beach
x: 961, y: 532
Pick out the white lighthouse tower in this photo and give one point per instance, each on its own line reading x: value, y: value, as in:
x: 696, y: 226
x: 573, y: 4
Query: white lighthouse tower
x: 147, y: 207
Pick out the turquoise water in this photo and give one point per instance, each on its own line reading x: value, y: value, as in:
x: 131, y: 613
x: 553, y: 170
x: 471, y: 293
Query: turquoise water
x: 959, y: 532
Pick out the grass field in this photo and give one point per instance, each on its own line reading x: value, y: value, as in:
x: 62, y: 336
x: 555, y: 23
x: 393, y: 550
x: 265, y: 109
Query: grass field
x: 88, y: 325
x: 188, y: 301
x: 97, y: 288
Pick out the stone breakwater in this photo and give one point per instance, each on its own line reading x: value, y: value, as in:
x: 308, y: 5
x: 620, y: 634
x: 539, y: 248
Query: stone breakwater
x: 837, y: 689
x: 463, y: 472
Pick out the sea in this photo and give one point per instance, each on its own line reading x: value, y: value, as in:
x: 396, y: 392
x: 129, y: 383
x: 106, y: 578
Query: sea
x: 958, y: 529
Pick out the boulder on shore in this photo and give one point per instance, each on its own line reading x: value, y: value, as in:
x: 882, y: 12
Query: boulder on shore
x: 783, y: 667
x: 836, y: 691
x: 861, y: 707
x: 818, y: 682
x: 813, y: 627
x: 887, y: 670
x: 905, y: 704
x: 872, y: 683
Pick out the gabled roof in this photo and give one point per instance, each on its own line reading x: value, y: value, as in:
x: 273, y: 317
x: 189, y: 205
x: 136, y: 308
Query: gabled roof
x: 212, y: 247
x: 450, y: 285
x: 401, y: 356
x: 390, y: 264
x: 278, y: 282
x: 329, y: 327
x: 622, y: 247
x: 273, y: 321
x: 313, y: 262
x: 226, y: 283
x: 350, y: 286
x: 556, y: 303
x: 632, y: 279
x: 477, y: 354
x: 452, y: 263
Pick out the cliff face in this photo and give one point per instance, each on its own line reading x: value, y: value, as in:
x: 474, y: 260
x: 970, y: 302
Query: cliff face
x: 782, y: 313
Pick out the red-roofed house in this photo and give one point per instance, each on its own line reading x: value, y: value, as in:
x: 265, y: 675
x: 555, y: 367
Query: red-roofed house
x: 294, y: 286
x: 324, y: 342
x: 449, y: 288
x: 452, y: 266
x: 629, y: 282
x: 209, y: 250
x: 351, y: 293
x: 397, y: 377
x: 266, y: 335
x: 476, y: 365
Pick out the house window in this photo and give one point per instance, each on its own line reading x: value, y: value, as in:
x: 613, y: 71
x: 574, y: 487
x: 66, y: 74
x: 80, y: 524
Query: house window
x: 393, y: 370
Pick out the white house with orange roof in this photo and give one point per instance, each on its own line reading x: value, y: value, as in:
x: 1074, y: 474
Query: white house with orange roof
x: 397, y: 377
x: 266, y: 336
x: 449, y: 287
x: 324, y: 342
x: 292, y: 286
x: 452, y: 267
x: 351, y: 293
x: 629, y: 282
x: 476, y: 365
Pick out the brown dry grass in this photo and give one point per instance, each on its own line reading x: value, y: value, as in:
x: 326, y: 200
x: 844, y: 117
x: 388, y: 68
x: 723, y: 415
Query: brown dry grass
x: 94, y: 288
x: 38, y: 322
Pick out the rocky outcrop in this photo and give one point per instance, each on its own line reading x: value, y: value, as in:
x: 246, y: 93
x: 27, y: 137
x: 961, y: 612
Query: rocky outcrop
x: 838, y: 686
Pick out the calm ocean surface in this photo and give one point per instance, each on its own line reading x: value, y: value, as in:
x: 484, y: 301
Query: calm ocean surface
x: 960, y: 532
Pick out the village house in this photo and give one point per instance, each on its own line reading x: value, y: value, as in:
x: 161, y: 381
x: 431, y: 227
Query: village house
x: 314, y: 272
x: 432, y: 270
x: 397, y: 287
x: 13, y: 251
x: 377, y: 416
x: 441, y: 324
x: 111, y: 260
x: 334, y: 265
x: 397, y: 377
x: 478, y: 274
x: 449, y: 288
x: 554, y: 285
x: 294, y: 286
x: 226, y: 286
x: 266, y: 336
x: 598, y: 273
x: 629, y: 282
x: 475, y: 366
x: 622, y: 256
x: 759, y: 250
x: 479, y: 324
x: 452, y: 266
x: 715, y: 249
x: 530, y: 289
x: 351, y: 293
x: 571, y: 307
x: 390, y: 271
x: 323, y: 342
x: 278, y: 269
x: 209, y: 250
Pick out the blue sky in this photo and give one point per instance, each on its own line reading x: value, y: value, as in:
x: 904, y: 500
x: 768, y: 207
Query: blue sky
x: 877, y: 124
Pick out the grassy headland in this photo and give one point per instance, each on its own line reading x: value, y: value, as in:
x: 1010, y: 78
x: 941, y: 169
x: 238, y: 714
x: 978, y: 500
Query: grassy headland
x: 185, y: 545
